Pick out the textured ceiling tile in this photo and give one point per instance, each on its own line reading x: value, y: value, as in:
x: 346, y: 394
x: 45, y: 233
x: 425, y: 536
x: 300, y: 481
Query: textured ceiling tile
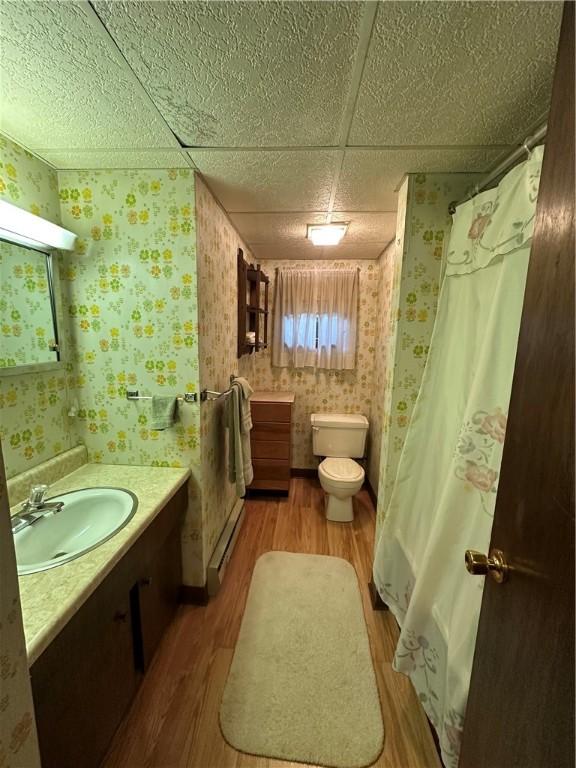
x: 307, y: 251
x: 367, y: 227
x: 456, y: 73
x: 95, y: 159
x: 268, y: 181
x: 369, y: 178
x: 287, y: 250
x: 242, y: 73
x: 284, y: 228
x: 356, y: 250
x: 62, y: 84
x: 262, y: 228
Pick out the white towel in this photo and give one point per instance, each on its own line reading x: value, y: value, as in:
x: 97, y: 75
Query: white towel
x: 239, y: 422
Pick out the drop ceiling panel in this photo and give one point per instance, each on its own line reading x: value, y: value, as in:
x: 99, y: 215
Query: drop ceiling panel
x: 287, y: 250
x: 241, y: 73
x: 265, y: 228
x: 456, y: 72
x: 280, y: 228
x: 64, y: 84
x: 307, y: 251
x: 268, y: 181
x: 355, y: 250
x: 370, y: 178
x: 105, y: 159
x: 367, y: 227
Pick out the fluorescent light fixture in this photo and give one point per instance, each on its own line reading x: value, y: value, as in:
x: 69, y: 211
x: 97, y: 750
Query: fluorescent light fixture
x: 326, y: 234
x: 24, y: 228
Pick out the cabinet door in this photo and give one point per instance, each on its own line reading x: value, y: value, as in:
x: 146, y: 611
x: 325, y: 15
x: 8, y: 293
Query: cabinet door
x: 158, y: 595
x: 270, y: 411
x: 270, y: 449
x: 85, y: 680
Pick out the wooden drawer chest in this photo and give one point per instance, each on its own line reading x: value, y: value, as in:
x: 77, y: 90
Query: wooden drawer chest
x: 270, y: 440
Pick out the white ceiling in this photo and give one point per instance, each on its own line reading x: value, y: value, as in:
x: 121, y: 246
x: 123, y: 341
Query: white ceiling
x: 293, y: 111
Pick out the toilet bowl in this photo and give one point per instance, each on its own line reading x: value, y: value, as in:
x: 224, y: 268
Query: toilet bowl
x: 341, y: 479
x: 339, y: 437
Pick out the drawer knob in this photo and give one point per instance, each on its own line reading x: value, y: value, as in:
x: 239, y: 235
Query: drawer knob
x: 121, y: 616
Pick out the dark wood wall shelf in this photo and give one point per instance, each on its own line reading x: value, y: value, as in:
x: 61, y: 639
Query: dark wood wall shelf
x: 253, y: 287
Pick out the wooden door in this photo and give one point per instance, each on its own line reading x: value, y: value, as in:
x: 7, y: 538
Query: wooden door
x: 521, y: 703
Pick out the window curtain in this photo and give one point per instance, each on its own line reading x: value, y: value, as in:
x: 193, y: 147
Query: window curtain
x: 444, y: 495
x: 315, y: 318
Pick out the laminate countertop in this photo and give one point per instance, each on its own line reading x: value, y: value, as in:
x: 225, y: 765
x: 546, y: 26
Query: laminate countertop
x: 50, y: 598
x: 272, y: 397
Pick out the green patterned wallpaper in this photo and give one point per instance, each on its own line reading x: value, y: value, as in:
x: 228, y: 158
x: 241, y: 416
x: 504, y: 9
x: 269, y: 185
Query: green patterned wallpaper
x: 131, y: 300
x: 28, y: 182
x: 130, y: 297
x: 26, y: 330
x: 34, y: 425
x: 417, y: 266
x: 388, y: 281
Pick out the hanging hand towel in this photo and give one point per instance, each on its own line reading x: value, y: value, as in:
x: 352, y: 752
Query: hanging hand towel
x: 245, y: 412
x: 239, y: 423
x: 163, y: 412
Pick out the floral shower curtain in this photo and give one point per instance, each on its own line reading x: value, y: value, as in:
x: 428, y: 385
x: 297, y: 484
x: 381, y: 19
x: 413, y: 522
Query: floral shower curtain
x: 445, y: 490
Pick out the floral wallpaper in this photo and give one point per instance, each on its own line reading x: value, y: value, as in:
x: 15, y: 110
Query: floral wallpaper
x: 328, y: 391
x: 26, y: 329
x: 386, y: 340
x: 130, y: 299
x: 34, y: 425
x: 18, y: 742
x: 217, y: 247
x: 385, y: 328
x: 420, y: 246
x: 28, y: 182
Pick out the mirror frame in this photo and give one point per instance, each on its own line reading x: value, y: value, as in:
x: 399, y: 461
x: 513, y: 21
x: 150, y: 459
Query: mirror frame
x: 55, y: 297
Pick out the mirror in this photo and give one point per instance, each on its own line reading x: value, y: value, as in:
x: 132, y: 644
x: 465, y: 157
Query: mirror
x: 28, y: 327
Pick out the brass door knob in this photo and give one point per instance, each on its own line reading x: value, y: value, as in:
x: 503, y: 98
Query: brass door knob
x: 495, y: 564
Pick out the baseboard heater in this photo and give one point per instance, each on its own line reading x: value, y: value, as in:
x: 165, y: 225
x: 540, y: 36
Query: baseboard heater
x: 224, y: 548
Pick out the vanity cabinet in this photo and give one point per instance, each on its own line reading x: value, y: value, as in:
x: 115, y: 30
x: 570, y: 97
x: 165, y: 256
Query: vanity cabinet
x: 270, y: 440
x: 85, y: 680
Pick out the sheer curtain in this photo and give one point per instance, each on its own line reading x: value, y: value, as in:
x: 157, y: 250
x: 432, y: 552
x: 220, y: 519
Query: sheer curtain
x: 443, y: 499
x: 315, y: 318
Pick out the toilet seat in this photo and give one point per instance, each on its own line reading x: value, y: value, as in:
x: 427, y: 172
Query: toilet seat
x: 342, y: 470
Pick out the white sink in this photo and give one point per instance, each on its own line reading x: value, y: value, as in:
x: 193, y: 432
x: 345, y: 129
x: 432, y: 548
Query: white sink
x: 88, y: 518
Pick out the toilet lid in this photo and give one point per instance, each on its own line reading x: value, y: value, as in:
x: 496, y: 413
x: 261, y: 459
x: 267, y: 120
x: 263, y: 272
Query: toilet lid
x: 342, y: 469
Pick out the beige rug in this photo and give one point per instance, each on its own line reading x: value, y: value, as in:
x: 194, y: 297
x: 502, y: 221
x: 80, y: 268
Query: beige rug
x: 301, y: 685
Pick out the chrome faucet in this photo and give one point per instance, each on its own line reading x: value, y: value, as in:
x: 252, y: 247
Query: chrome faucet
x: 34, y: 508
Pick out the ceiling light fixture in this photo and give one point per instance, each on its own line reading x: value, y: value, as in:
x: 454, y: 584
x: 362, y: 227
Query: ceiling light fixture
x: 326, y: 234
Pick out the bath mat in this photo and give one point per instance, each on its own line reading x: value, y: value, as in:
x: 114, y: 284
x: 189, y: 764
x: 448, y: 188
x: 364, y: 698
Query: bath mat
x: 301, y: 685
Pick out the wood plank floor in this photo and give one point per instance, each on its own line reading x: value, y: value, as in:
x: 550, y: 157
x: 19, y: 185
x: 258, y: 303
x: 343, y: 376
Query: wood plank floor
x: 173, y: 722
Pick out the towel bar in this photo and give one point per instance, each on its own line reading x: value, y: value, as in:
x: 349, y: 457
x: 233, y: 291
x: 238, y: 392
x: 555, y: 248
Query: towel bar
x: 187, y: 397
x: 210, y: 394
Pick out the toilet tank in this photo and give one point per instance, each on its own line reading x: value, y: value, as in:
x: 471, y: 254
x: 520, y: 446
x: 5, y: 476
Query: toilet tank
x: 342, y: 435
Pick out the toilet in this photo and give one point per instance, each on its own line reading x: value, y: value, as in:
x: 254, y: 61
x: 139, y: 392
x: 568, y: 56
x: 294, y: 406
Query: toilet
x: 340, y: 438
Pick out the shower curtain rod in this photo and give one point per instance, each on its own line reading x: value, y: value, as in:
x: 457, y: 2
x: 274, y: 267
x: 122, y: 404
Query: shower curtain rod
x: 503, y: 166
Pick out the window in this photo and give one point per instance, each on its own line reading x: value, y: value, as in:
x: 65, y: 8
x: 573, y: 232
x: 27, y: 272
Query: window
x: 314, y: 331
x: 315, y: 318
